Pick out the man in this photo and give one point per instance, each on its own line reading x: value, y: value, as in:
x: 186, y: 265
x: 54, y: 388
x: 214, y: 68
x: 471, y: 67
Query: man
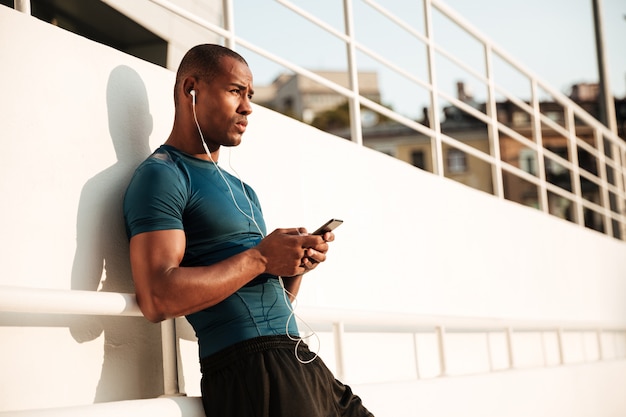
x: 198, y: 248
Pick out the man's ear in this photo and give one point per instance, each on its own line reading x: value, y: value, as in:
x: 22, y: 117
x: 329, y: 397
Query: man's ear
x: 189, y: 85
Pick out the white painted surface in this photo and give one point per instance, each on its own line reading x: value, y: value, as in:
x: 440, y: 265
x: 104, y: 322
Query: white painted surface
x: 78, y: 117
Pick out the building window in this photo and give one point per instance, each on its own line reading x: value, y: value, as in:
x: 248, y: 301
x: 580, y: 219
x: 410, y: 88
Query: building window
x: 457, y: 161
x: 288, y: 103
x: 101, y: 23
x: 521, y: 118
x: 528, y: 161
x: 555, y: 116
x: 418, y: 160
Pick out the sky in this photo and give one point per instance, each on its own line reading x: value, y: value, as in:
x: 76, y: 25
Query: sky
x: 560, y: 48
x: 552, y: 39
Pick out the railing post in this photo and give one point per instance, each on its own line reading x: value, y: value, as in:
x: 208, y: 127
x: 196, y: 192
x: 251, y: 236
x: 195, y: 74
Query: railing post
x: 492, y: 127
x: 544, y: 353
x: 338, y: 336
x: 509, y: 345
x: 434, y: 119
x: 22, y: 6
x: 356, y: 131
x: 170, y: 358
x: 599, y: 336
x: 559, y: 334
x: 416, y: 355
x: 489, y: 352
x: 229, y: 23
x: 570, y: 125
x: 537, y: 135
x: 441, y: 338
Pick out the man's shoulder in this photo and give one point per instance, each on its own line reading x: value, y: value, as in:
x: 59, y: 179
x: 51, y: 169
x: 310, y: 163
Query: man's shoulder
x: 161, y: 159
x: 161, y: 167
x: 162, y: 155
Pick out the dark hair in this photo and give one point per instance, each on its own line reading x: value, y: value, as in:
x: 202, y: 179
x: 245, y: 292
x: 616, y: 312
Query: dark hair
x: 203, y: 62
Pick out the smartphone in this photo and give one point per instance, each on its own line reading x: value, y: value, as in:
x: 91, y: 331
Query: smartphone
x: 330, y: 225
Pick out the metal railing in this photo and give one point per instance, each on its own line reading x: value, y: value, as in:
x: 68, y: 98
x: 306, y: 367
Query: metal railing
x: 347, y: 321
x: 577, y: 164
x: 77, y: 302
x: 538, y: 148
x: 22, y: 6
x: 340, y: 322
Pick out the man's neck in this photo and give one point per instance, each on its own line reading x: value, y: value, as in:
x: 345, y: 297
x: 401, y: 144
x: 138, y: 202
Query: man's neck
x: 196, y: 150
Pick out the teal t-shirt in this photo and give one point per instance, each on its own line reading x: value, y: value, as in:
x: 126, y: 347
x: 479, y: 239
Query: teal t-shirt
x: 173, y: 190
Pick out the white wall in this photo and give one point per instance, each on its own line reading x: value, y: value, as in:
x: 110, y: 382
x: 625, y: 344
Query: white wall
x: 78, y: 117
x: 418, y: 243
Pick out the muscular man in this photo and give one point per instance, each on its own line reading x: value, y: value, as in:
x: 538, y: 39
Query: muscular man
x: 198, y: 248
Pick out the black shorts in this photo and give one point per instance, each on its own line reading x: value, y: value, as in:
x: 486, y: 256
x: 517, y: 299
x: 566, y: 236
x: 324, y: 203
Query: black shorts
x: 261, y: 377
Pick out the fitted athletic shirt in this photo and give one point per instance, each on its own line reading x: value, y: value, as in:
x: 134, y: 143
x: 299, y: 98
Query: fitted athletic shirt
x: 173, y: 190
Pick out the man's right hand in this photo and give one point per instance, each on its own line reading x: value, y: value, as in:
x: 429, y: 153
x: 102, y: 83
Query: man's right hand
x: 288, y: 252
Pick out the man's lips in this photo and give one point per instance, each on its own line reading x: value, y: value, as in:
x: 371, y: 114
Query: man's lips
x: 241, y: 125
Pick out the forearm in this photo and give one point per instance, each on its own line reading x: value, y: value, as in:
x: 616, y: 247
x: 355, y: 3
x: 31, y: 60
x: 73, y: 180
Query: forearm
x: 165, y: 289
x: 179, y: 291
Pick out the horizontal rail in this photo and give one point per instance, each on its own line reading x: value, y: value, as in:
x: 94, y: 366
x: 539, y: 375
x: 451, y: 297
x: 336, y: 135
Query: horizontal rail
x: 57, y: 301
x: 361, y: 320
x: 337, y: 321
x: 78, y: 302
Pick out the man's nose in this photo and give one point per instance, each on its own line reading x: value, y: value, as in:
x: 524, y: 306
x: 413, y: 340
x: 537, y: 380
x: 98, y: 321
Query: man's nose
x: 245, y: 107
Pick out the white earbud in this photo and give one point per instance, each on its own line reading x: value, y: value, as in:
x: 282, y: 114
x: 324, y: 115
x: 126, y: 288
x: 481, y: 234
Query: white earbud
x: 193, y: 95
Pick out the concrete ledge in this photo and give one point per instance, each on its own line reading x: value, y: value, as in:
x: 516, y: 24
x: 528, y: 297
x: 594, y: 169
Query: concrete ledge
x: 155, y: 407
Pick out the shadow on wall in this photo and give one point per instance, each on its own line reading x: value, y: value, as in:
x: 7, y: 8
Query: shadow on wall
x: 131, y: 366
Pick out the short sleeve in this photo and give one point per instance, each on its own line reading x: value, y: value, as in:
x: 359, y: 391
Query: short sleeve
x: 155, y: 199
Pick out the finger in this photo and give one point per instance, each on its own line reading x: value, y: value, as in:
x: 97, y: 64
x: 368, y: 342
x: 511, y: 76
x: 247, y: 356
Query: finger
x: 305, y: 266
x: 312, y: 241
x: 308, y: 264
x: 315, y: 256
x: 293, y: 231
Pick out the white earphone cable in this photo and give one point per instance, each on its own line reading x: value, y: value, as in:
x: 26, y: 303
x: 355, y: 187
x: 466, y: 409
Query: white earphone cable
x: 286, y: 293
x: 230, y: 190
